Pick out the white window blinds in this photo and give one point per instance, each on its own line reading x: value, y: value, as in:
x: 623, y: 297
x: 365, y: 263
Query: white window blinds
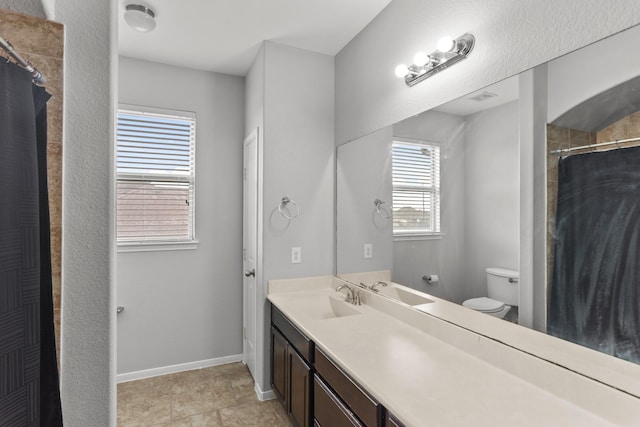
x: 155, y: 176
x: 416, y: 188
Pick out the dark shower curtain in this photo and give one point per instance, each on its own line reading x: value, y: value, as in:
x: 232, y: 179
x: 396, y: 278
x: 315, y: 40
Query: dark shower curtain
x: 29, y: 384
x: 595, y: 294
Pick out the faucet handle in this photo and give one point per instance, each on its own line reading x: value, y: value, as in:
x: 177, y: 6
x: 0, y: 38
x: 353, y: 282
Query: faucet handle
x: 379, y: 282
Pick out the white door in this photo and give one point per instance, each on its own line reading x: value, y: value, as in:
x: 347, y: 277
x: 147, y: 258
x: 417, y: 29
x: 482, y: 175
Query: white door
x: 250, y: 249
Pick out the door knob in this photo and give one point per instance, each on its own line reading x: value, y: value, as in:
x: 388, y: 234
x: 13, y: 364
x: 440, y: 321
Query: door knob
x: 249, y: 273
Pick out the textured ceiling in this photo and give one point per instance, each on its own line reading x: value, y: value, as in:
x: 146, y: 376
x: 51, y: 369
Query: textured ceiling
x: 225, y: 35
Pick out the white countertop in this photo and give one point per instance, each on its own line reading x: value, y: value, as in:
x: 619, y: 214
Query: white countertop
x: 425, y: 380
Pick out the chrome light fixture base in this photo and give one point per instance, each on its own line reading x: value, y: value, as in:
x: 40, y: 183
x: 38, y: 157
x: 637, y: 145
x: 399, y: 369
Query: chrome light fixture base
x: 461, y: 48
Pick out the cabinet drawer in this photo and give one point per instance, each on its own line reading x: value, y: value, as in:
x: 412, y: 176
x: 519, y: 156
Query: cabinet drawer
x: 368, y: 410
x: 328, y: 410
x: 302, y: 344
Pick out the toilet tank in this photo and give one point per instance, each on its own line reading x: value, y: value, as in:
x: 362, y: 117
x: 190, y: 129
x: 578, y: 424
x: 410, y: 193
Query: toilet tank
x: 500, y: 287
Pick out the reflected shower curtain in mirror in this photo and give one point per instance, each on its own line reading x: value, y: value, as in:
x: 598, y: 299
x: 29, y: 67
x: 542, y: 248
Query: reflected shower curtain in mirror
x: 595, y: 294
x: 29, y: 384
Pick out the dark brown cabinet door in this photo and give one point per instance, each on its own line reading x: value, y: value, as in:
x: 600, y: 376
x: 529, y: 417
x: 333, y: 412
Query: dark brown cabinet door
x: 279, y: 355
x: 299, y: 389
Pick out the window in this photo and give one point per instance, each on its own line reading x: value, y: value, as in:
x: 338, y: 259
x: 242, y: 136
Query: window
x: 416, y: 188
x: 155, y: 176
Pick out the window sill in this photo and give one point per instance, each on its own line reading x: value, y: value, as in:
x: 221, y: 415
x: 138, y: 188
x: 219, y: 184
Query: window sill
x: 157, y: 246
x: 409, y: 237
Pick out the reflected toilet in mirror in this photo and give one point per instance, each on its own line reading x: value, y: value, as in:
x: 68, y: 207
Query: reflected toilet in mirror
x: 502, y: 297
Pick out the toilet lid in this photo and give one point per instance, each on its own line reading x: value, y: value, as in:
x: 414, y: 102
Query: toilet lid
x: 484, y: 304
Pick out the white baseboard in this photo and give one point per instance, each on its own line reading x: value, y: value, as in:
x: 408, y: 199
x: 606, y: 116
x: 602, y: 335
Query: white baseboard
x: 172, y: 369
x: 264, y: 395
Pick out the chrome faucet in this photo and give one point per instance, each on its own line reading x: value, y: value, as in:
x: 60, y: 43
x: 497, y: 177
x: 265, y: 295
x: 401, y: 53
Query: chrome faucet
x: 379, y: 282
x: 353, y: 296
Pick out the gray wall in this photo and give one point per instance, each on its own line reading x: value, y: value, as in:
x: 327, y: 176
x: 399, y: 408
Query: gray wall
x: 492, y: 194
x: 568, y: 88
x: 443, y: 256
x: 533, y: 171
x: 299, y: 163
x: 297, y: 112
x: 29, y: 7
x: 186, y: 306
x: 363, y: 175
x: 88, y: 349
x: 298, y: 160
x: 479, y: 202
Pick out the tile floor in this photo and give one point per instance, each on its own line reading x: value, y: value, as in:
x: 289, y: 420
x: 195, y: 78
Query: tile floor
x: 221, y: 396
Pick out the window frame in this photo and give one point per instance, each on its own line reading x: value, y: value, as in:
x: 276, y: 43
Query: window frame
x: 435, y: 191
x: 152, y: 245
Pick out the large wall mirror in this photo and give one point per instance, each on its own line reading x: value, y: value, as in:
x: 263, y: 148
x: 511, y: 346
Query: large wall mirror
x: 434, y: 201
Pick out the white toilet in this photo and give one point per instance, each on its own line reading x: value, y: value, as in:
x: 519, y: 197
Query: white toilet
x: 502, y: 287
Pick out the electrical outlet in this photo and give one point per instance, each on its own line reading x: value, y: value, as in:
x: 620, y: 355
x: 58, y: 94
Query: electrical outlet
x: 296, y: 255
x: 368, y: 250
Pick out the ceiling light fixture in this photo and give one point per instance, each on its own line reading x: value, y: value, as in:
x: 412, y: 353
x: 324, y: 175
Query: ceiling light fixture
x: 140, y: 17
x: 449, y: 52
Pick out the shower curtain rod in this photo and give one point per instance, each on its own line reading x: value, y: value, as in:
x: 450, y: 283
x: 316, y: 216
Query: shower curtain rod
x: 601, y: 144
x: 38, y: 78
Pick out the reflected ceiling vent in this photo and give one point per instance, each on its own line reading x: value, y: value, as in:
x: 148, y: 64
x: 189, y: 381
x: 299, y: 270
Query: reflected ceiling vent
x: 483, y: 96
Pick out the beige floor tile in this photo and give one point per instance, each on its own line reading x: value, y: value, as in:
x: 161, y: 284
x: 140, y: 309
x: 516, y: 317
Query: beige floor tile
x: 250, y: 414
x: 221, y: 396
x: 145, y: 411
x: 210, y: 419
x: 203, y: 396
x: 243, y: 387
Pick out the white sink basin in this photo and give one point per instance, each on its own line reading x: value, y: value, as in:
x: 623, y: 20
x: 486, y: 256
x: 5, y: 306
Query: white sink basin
x: 403, y: 295
x: 328, y: 308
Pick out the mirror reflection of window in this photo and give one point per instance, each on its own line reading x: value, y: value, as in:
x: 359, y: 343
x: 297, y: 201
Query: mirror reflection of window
x: 416, y: 188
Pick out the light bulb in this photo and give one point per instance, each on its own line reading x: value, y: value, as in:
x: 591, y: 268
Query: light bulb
x: 402, y: 70
x: 421, y: 59
x: 446, y: 44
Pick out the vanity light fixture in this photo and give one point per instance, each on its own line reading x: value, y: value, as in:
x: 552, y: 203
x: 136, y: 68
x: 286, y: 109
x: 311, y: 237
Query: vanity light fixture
x: 140, y: 17
x: 449, y: 52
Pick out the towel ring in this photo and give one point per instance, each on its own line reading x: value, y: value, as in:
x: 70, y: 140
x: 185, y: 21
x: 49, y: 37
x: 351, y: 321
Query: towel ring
x: 382, y: 208
x: 285, y: 201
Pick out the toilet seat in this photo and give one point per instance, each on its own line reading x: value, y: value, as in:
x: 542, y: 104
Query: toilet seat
x: 484, y: 304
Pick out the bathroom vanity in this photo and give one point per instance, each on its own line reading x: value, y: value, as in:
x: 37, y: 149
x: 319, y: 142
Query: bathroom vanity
x: 312, y: 388
x: 392, y: 363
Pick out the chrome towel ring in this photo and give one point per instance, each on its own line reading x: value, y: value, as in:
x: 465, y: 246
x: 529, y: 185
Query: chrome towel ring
x: 283, y: 204
x: 382, y: 208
